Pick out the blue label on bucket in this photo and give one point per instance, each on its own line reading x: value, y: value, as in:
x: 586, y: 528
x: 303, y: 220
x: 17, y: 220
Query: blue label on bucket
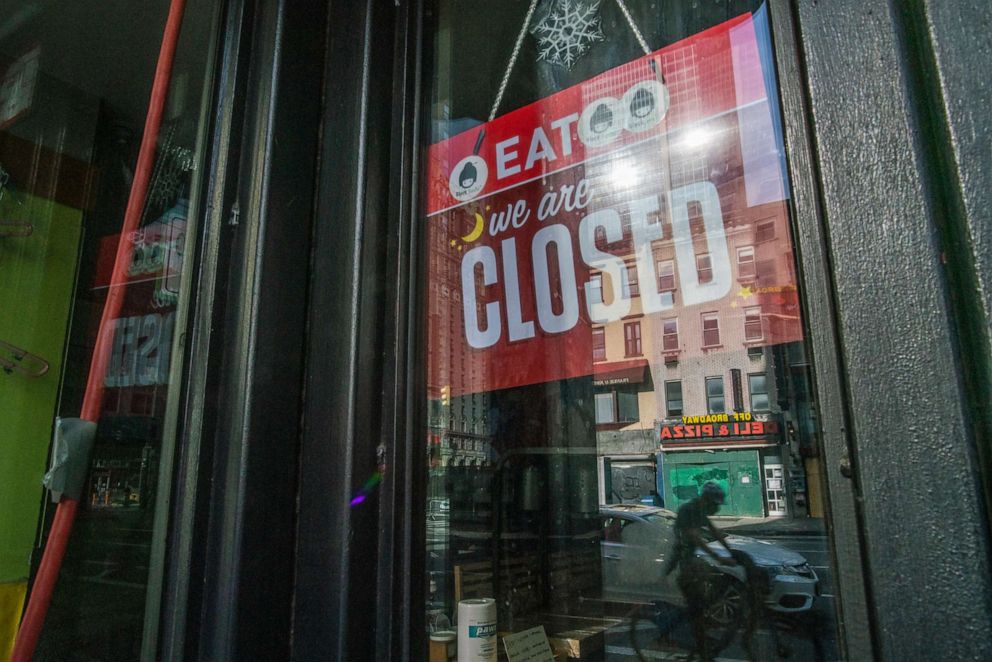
x: 478, y: 631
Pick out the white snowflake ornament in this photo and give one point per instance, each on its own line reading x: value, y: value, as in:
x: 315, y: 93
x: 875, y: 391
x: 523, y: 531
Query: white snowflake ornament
x: 568, y: 31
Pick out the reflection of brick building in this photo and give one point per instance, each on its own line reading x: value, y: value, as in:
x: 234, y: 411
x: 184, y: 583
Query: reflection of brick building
x: 712, y: 286
x: 723, y: 356
x: 698, y: 359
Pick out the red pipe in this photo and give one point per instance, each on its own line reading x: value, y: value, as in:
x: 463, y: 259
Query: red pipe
x: 65, y: 513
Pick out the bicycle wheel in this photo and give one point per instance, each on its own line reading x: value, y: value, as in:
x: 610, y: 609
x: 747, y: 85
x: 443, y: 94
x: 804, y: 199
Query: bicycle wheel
x: 725, y: 614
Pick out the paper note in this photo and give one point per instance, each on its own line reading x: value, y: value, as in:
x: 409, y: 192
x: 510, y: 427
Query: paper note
x: 528, y: 646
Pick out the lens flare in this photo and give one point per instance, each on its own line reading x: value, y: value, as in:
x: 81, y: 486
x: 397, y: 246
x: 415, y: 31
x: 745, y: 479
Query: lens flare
x: 367, y: 488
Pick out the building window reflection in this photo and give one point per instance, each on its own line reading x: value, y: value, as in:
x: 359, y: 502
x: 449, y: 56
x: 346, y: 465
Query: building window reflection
x: 757, y: 387
x: 632, y: 338
x: 673, y: 398
x: 715, y: 401
x: 711, y: 330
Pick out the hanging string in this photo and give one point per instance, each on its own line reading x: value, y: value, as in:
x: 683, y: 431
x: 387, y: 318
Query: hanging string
x: 633, y: 27
x: 520, y: 40
x: 513, y: 60
x: 640, y: 39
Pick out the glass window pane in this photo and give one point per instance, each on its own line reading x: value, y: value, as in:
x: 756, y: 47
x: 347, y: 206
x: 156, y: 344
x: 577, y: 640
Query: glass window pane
x: 75, y: 80
x: 632, y: 338
x: 596, y: 288
x: 758, y: 389
x: 595, y: 163
x: 704, y: 268
x: 673, y: 398
x: 714, y: 395
x: 745, y: 262
x: 670, y: 339
x: 632, y: 290
x: 604, y: 408
x: 752, y: 324
x: 666, y: 275
x: 711, y: 330
x: 627, y: 408
x: 598, y: 345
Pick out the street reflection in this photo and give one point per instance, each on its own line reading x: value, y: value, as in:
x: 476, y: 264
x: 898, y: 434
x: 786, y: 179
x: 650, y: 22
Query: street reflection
x: 614, y: 337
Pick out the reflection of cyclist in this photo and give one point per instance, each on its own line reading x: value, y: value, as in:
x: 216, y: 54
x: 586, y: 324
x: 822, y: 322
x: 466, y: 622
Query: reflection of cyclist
x: 692, y: 518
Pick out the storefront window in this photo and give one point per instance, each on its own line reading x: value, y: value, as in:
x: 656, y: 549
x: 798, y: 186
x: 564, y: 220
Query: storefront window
x: 606, y: 187
x: 75, y: 82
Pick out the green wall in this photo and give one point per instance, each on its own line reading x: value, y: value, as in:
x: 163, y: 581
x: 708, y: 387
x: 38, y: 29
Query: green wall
x: 36, y: 291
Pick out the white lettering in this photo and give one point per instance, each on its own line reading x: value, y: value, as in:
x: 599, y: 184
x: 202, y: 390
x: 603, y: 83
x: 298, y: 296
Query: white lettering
x: 694, y: 292
x: 644, y: 234
x: 613, y: 266
x: 520, y: 213
x: 503, y: 157
x: 476, y: 336
x: 566, y: 134
x: 519, y: 330
x: 516, y: 214
x: 569, y: 197
x: 540, y: 148
x: 562, y: 240
x: 147, y: 368
x: 141, y: 351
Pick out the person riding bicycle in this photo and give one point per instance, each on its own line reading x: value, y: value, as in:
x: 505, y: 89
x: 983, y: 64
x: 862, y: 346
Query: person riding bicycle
x: 692, y: 518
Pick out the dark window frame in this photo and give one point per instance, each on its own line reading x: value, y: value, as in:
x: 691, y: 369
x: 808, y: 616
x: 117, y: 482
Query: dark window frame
x: 598, y: 344
x: 666, y: 281
x: 633, y: 286
x: 746, y: 269
x: 711, y: 408
x: 632, y: 346
x: 711, y: 335
x: 671, y: 411
x: 751, y: 392
x: 753, y: 324
x: 670, y: 341
x: 704, y: 267
x: 596, y: 285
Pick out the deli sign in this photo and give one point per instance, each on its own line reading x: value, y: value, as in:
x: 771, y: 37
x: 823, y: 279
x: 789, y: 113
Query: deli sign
x: 598, y: 179
x: 740, y: 430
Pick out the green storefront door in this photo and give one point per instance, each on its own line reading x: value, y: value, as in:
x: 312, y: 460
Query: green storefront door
x: 737, y: 472
x: 745, y: 495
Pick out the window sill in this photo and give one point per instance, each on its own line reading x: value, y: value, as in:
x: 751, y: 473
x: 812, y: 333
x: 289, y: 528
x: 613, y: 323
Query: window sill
x: 710, y: 348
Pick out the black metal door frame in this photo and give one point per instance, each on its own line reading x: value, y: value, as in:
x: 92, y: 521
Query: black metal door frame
x: 360, y: 548
x: 228, y: 584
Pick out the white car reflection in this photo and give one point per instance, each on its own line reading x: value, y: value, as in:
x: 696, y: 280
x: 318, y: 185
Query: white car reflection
x: 638, y: 540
